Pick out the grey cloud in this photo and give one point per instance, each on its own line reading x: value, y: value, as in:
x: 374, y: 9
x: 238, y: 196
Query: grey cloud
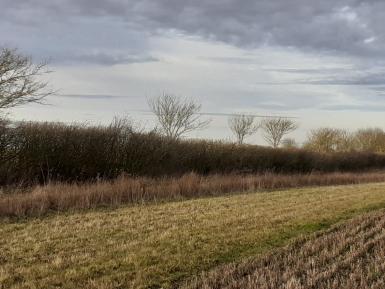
x: 98, y: 41
x: 364, y: 107
x: 90, y: 96
x: 310, y: 70
x: 352, y: 27
x: 103, y: 58
x: 361, y: 79
x: 116, y: 31
x: 357, y: 76
x: 231, y: 60
x: 278, y: 107
x: 379, y: 89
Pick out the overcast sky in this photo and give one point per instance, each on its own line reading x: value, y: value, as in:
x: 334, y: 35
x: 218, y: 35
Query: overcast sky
x: 320, y: 61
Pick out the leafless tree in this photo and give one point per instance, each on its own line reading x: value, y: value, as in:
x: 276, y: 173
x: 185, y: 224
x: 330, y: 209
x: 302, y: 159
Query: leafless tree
x: 276, y: 128
x: 370, y: 140
x: 177, y: 115
x: 19, y: 83
x: 242, y: 125
x: 327, y: 140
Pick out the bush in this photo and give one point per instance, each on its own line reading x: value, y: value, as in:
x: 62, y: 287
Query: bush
x: 33, y: 153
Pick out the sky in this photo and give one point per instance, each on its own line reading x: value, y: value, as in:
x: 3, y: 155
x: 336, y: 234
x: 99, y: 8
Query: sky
x: 321, y: 62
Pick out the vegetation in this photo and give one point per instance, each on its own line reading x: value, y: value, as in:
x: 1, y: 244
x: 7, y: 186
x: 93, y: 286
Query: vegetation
x: 125, y: 190
x: 276, y: 128
x: 156, y: 246
x: 51, y: 171
x: 33, y: 153
x: 350, y: 255
x: 370, y: 139
x: 242, y: 126
x: 330, y: 140
x: 176, y: 115
x: 19, y: 83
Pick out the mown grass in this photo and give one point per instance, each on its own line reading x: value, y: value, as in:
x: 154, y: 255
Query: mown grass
x: 154, y: 246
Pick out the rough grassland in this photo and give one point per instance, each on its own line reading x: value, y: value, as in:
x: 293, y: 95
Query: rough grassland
x: 350, y: 255
x: 43, y: 200
x: 151, y: 246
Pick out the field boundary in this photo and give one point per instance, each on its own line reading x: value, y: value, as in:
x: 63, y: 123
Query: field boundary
x: 60, y: 197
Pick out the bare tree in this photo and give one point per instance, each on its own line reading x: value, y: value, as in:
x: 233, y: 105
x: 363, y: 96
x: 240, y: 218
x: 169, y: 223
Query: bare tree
x: 242, y: 126
x: 327, y: 140
x: 176, y: 115
x: 370, y: 140
x: 276, y: 128
x: 19, y: 82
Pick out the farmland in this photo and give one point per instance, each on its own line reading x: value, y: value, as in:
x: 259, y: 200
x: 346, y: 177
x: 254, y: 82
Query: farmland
x: 350, y: 255
x: 192, y: 144
x: 163, y: 245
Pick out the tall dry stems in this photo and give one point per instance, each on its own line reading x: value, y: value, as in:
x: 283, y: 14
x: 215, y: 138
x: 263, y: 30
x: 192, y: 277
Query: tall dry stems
x: 128, y: 190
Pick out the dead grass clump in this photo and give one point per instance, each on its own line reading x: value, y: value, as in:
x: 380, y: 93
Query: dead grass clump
x: 127, y: 190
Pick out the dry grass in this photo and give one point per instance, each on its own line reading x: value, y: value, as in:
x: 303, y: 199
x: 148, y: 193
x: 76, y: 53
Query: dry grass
x: 351, y: 255
x: 158, y: 245
x: 125, y: 190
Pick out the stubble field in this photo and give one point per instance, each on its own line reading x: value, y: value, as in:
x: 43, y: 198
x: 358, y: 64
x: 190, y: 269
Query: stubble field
x: 162, y: 245
x: 350, y: 255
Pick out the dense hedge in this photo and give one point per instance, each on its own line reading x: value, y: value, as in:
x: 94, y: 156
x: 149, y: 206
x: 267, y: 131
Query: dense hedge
x: 38, y: 152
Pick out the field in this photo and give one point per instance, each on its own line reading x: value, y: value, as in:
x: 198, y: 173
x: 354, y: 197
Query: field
x: 350, y: 255
x: 163, y: 245
x: 252, y: 172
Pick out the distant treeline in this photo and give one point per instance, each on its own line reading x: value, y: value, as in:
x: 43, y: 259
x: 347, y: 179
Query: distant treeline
x: 33, y: 153
x: 340, y: 140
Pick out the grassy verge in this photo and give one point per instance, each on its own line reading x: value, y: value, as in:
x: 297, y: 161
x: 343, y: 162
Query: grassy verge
x: 42, y: 200
x: 153, y: 246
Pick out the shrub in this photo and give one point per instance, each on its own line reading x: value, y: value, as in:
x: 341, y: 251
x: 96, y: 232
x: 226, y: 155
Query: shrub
x: 33, y: 153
